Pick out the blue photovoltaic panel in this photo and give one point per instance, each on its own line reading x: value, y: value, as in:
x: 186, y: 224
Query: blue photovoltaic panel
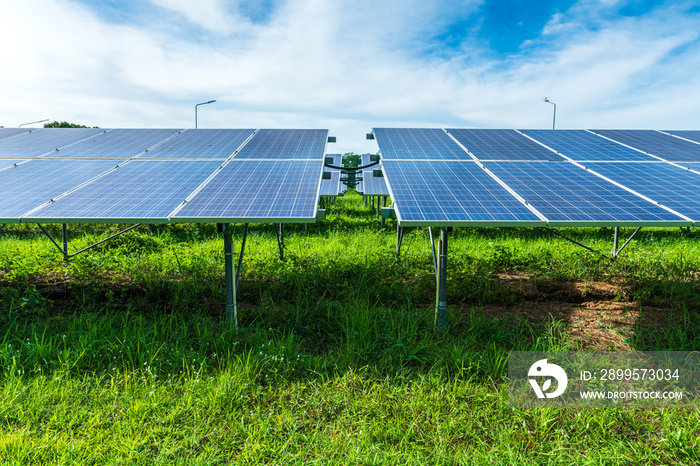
x: 365, y: 159
x: 581, y: 145
x: 257, y: 191
x: 286, y: 144
x: 7, y: 163
x: 331, y: 187
x: 118, y: 144
x: 418, y: 143
x: 42, y: 141
x: 567, y: 194
x: 373, y: 185
x: 672, y: 186
x: 691, y: 135
x: 201, y: 144
x: 501, y: 144
x: 147, y: 190
x: 337, y: 160
x: 440, y: 193
x: 28, y: 185
x: 656, y: 143
x: 8, y: 132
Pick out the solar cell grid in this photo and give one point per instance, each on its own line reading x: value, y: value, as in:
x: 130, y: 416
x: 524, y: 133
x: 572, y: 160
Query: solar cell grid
x: 691, y: 135
x: 331, y: 187
x: 581, y: 145
x: 655, y: 143
x: 670, y: 185
x: 417, y: 144
x: 29, y: 185
x: 286, y: 144
x: 8, y: 132
x: 137, y: 191
x: 442, y: 193
x: 568, y: 195
x: 7, y: 163
x: 501, y: 144
x: 257, y: 190
x: 44, y: 141
x: 119, y: 144
x: 374, y: 185
x: 200, y: 144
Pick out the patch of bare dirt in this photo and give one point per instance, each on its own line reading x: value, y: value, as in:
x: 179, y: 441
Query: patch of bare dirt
x: 596, y: 313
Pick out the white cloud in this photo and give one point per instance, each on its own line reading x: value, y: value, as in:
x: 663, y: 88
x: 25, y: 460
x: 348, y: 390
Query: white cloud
x: 343, y: 65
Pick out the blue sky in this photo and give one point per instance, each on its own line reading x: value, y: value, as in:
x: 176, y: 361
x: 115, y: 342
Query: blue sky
x: 351, y: 65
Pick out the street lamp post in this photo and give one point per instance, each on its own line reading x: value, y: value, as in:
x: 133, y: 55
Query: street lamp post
x: 554, y: 118
x: 195, y: 110
x: 33, y: 122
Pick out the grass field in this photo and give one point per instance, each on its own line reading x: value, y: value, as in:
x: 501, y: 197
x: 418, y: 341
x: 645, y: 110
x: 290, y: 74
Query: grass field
x: 122, y: 356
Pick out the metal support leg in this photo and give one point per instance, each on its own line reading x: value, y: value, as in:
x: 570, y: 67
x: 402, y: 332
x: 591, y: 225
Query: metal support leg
x: 399, y: 239
x: 618, y: 251
x: 280, y: 239
x: 441, y: 293
x: 432, y: 246
x: 616, y: 242
x: 240, y: 256
x: 231, y: 311
x: 537, y: 232
x: 64, y: 236
x: 383, y: 219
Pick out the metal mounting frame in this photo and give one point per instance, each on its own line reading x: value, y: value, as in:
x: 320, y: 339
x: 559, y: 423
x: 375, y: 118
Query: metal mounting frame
x: 64, y: 238
x: 616, y: 241
x: 232, y: 276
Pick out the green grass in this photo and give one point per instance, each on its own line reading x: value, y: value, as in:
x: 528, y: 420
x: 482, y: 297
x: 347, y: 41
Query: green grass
x: 122, y: 356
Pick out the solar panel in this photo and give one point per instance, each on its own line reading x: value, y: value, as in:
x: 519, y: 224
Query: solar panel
x: 201, y: 144
x: 286, y: 144
x: 501, y: 144
x: 8, y: 132
x: 457, y: 193
x: 418, y: 143
x: 373, y: 185
x: 331, y: 187
x: 28, y: 185
x: 272, y: 191
x: 138, y: 191
x: 7, y: 163
x: 42, y: 141
x: 686, y: 134
x: 670, y: 185
x: 655, y: 143
x: 581, y: 145
x: 568, y: 195
x: 337, y: 159
x: 120, y: 144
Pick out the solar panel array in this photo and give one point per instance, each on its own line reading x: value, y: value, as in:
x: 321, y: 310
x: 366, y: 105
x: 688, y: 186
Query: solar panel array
x: 332, y: 186
x: 546, y: 177
x: 656, y: 143
x: 8, y: 132
x: 160, y: 175
x: 372, y: 185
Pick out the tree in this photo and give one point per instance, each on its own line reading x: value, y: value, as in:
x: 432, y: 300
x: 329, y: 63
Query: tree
x: 350, y: 159
x: 65, y: 124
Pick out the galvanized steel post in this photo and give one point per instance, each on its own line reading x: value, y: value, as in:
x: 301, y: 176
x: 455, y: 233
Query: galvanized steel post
x: 231, y: 311
x: 441, y: 294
